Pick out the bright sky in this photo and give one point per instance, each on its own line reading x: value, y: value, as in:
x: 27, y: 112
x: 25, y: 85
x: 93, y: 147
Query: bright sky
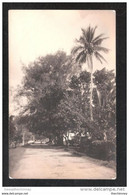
x: 34, y: 33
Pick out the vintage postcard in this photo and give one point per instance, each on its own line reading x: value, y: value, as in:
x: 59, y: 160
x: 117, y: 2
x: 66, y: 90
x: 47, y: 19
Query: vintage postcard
x: 62, y: 84
x: 64, y: 67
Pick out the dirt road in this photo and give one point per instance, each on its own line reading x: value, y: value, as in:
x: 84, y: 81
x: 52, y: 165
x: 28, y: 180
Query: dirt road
x: 38, y: 162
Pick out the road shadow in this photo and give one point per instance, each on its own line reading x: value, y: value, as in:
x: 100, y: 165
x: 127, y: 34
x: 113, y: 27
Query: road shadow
x: 43, y: 146
x: 71, y: 152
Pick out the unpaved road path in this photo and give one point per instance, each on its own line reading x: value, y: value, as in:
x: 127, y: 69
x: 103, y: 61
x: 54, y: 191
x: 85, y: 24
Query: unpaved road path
x: 55, y: 163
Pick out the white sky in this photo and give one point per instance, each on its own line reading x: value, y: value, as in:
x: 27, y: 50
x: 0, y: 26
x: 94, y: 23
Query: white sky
x: 34, y: 33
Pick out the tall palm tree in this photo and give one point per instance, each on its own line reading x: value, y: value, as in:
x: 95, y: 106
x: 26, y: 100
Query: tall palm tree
x: 89, y: 46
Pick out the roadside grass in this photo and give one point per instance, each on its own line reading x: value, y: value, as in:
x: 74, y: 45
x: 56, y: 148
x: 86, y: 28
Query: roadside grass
x: 15, y: 155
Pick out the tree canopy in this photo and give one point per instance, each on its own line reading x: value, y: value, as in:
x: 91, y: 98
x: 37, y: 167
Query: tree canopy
x: 59, y: 96
x: 55, y: 107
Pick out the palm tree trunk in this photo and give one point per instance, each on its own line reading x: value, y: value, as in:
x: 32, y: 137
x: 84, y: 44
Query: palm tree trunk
x: 91, y: 87
x: 91, y: 90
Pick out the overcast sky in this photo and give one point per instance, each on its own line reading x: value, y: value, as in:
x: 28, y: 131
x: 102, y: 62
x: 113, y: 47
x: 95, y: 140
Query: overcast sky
x: 34, y: 33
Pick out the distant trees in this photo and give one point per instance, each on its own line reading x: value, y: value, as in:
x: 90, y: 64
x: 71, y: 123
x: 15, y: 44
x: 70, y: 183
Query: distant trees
x: 15, y: 135
x: 12, y: 128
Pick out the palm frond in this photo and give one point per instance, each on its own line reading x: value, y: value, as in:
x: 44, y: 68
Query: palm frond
x: 99, y: 48
x: 98, y: 37
x: 93, y: 32
x: 99, y: 41
x: 76, y: 49
x: 83, y: 40
x: 88, y: 34
x: 80, y: 56
x: 83, y: 32
x: 83, y: 58
x: 99, y: 57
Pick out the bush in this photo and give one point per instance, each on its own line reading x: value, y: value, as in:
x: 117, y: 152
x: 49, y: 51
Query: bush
x: 85, y: 145
x: 104, y: 150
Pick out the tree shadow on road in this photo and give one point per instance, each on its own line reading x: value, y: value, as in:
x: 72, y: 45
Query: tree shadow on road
x: 70, y: 153
x: 43, y: 146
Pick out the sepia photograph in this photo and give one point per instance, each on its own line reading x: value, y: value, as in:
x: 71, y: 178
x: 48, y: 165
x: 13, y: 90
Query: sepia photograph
x: 62, y: 94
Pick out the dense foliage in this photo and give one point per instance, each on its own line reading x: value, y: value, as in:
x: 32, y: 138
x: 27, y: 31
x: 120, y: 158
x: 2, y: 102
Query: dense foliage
x: 59, y: 103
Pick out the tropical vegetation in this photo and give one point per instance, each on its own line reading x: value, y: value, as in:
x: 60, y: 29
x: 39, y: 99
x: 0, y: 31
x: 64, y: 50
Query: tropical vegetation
x: 62, y: 98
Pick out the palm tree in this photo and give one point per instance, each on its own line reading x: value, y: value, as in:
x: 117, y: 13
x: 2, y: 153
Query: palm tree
x: 89, y: 46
